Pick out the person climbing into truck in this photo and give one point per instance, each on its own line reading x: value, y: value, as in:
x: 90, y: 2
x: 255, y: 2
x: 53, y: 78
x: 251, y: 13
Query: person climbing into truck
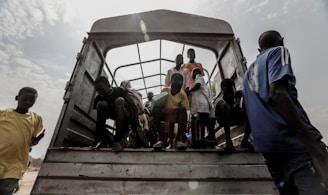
x: 114, y: 103
x: 229, y: 111
x: 174, y: 111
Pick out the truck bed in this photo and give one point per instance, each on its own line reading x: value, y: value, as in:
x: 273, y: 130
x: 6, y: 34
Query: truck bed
x: 145, y: 171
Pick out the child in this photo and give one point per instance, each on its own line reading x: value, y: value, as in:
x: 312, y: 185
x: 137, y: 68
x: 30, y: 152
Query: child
x: 19, y: 129
x: 114, y: 103
x: 228, y: 112
x: 175, y: 110
x: 191, y: 65
x: 201, y: 107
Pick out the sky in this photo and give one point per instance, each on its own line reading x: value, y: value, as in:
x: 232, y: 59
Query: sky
x: 39, y: 41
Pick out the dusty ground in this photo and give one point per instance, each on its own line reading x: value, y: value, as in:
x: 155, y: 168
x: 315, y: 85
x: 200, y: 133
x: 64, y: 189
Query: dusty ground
x: 27, y: 182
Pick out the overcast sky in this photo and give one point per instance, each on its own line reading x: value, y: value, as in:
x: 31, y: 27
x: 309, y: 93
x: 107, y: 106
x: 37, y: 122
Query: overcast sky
x: 39, y: 40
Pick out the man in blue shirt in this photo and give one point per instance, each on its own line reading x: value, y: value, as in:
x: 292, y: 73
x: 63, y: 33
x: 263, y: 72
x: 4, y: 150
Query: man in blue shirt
x: 294, y: 153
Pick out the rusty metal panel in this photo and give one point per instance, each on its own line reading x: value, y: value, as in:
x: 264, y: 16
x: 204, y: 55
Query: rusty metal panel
x: 77, y: 124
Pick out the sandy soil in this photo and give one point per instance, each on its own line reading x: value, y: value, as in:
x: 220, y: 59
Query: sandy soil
x: 27, y: 182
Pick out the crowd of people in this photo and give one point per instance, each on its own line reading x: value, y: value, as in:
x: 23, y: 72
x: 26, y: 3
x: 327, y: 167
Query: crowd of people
x: 186, y: 106
x: 292, y: 147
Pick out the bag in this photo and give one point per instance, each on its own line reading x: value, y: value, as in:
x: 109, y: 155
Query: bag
x: 159, y: 101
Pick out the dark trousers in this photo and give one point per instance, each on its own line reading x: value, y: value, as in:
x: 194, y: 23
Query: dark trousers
x: 206, y: 121
x: 227, y: 116
x: 120, y: 114
x: 293, y: 173
x: 8, y: 185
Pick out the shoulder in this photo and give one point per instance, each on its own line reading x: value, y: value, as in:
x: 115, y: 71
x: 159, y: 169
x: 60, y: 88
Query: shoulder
x: 2, y: 111
x: 183, y: 71
x: 166, y: 89
x: 278, y: 51
x: 218, y: 100
x: 170, y: 70
x: 98, y: 98
x: 186, y: 66
x: 118, y: 91
x: 183, y: 93
x: 36, y: 115
x: 8, y: 110
x: 114, y: 89
x: 239, y: 93
x: 277, y: 57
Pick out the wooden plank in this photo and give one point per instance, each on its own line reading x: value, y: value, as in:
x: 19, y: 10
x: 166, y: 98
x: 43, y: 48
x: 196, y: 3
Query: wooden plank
x: 155, y: 171
x: 192, y: 156
x: 99, y: 187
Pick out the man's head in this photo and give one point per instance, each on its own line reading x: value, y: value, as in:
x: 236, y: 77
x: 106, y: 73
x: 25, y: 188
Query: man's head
x: 26, y: 98
x: 191, y: 54
x: 150, y: 95
x: 102, y: 85
x: 270, y: 39
x: 178, y: 61
x: 176, y: 83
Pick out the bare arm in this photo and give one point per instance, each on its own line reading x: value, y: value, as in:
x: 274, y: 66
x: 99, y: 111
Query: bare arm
x: 35, y: 140
x: 168, y: 78
x: 284, y: 105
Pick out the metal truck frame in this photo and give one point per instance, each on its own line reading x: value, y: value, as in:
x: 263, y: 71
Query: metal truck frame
x: 71, y: 167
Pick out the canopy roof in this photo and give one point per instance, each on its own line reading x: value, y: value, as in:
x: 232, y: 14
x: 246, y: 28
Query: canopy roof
x: 162, y: 21
x: 150, y: 35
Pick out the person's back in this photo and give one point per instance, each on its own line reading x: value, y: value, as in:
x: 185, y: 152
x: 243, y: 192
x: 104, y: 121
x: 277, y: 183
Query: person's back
x: 256, y: 94
x: 280, y: 127
x: 266, y: 112
x: 19, y: 129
